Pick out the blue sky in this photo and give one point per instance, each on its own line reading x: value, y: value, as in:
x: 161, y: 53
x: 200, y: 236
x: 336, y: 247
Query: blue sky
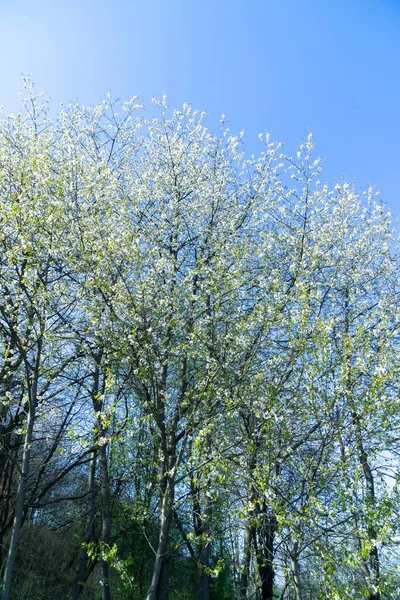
x: 286, y: 66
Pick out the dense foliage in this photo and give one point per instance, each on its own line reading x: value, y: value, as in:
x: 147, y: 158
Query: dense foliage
x: 199, y: 365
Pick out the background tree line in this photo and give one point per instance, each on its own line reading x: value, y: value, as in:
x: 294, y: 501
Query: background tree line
x: 199, y: 365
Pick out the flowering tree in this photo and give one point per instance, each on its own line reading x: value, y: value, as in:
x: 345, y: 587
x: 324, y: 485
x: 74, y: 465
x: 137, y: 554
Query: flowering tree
x: 209, y: 341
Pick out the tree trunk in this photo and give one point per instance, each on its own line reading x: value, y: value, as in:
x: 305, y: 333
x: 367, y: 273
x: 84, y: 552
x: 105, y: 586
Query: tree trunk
x: 203, y: 582
x: 267, y: 581
x: 374, y: 562
x: 162, y: 546
x: 203, y: 562
x: 5, y: 503
x: 20, y: 500
x: 294, y: 561
x: 80, y: 574
x: 264, y: 535
x: 167, y: 487
x: 163, y: 582
x: 106, y: 518
x: 98, y: 391
x: 244, y: 579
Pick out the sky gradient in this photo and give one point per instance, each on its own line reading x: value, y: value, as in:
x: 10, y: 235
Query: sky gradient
x: 285, y: 66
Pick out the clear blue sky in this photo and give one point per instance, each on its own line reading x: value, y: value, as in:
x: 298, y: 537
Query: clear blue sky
x: 279, y: 65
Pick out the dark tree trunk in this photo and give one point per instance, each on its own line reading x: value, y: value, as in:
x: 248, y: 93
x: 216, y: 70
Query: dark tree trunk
x: 373, y: 568
x: 203, y: 582
x: 9, y: 448
x: 159, y: 580
x: 99, y: 383
x: 374, y: 561
x: 5, y: 503
x: 106, y: 519
x: 163, y: 583
x: 20, y: 500
x: 264, y: 536
x: 267, y: 581
x: 203, y: 532
x: 81, y: 567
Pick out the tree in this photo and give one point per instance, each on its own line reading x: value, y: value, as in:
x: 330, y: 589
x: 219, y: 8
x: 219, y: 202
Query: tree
x: 207, y: 342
